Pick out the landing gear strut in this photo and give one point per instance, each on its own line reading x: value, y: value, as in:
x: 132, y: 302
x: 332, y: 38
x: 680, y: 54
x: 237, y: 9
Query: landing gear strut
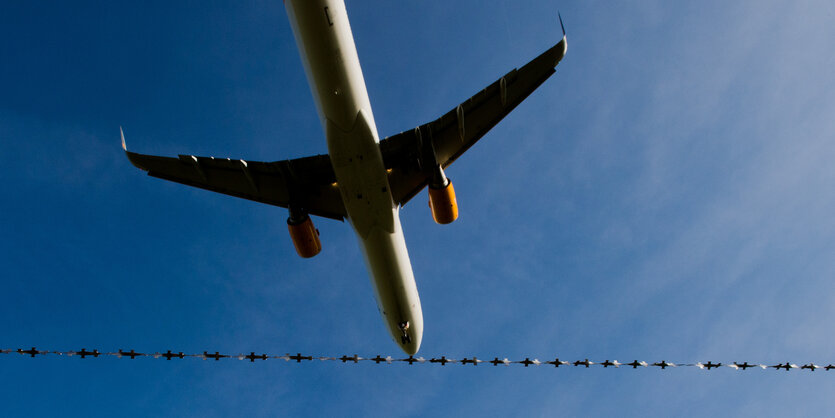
x: 405, y: 338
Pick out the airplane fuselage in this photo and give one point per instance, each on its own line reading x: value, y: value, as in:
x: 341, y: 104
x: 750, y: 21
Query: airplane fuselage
x: 330, y: 59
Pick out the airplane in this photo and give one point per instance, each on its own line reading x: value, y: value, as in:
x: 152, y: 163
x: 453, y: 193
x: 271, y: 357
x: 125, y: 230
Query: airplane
x: 829, y: 367
x: 362, y: 180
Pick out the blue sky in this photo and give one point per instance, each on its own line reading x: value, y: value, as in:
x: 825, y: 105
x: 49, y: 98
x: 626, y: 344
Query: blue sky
x: 667, y: 194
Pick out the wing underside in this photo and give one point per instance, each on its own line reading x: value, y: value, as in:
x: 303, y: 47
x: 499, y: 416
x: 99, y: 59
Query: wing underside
x: 413, y: 155
x: 307, y: 183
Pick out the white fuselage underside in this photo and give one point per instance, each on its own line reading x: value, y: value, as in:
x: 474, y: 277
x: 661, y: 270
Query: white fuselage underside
x: 329, y: 55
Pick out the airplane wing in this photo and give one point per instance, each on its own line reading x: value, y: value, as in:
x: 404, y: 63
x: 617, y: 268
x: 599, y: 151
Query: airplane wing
x: 412, y: 155
x: 307, y: 183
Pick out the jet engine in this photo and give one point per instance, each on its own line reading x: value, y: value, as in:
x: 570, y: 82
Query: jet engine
x: 305, y: 236
x: 443, y: 204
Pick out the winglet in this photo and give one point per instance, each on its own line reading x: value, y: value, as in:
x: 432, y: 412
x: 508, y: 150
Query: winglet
x: 563, y: 40
x: 132, y: 156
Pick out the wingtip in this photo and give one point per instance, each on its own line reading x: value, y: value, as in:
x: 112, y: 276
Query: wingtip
x: 122, y: 132
x: 564, y: 40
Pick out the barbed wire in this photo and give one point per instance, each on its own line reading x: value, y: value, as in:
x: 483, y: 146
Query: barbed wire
x: 411, y: 360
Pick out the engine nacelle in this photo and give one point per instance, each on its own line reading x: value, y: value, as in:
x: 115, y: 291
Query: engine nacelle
x: 305, y: 236
x: 443, y: 204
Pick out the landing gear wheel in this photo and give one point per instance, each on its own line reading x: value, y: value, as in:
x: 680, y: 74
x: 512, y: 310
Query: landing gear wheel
x: 405, y: 339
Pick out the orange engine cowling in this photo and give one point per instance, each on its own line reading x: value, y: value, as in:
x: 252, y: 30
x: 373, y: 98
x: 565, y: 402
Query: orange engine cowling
x: 305, y: 237
x: 443, y: 204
